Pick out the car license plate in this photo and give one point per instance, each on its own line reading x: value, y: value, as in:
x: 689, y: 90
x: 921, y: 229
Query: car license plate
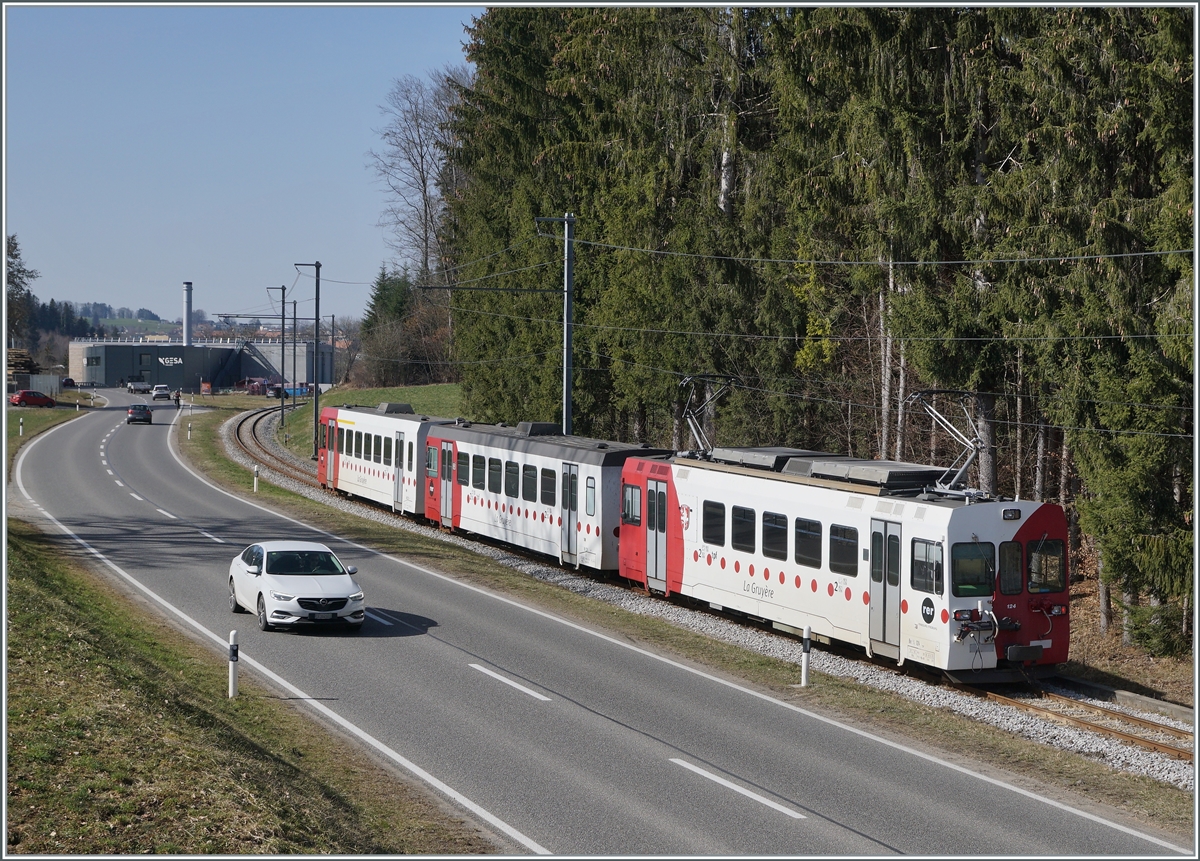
x: 321, y: 616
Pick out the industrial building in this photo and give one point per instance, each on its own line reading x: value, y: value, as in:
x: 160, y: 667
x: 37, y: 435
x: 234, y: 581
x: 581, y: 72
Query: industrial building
x: 209, y: 364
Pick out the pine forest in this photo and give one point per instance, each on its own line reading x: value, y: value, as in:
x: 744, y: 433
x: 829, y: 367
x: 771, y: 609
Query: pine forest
x: 829, y: 210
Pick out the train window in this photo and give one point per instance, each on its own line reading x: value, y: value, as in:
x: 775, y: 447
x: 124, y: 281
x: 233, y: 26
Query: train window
x: 774, y: 535
x: 447, y: 465
x: 512, y: 479
x: 324, y: 435
x: 366, y: 446
x: 971, y: 567
x: 478, y: 471
x: 410, y: 457
x: 1047, y: 566
x: 377, y: 452
x: 431, y: 463
x: 590, y: 496
x: 358, y: 444
x: 495, y: 473
x: 893, y: 560
x: 876, y: 557
x: 714, y: 523
x: 742, y: 526
x: 927, y: 574
x: 1010, y: 568
x: 808, y: 542
x: 529, y: 483
x: 631, y: 504
x: 464, y: 468
x: 549, y: 487
x: 843, y: 550
x: 387, y: 451
x: 341, y: 439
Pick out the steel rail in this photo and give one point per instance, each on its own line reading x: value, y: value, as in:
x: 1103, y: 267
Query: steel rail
x: 1083, y: 723
x: 261, y: 453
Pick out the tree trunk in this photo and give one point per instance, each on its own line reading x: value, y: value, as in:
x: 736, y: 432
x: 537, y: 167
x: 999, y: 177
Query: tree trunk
x: 678, y: 425
x: 1102, y: 596
x: 986, y: 403
x: 1128, y: 600
x: 900, y: 395
x: 885, y: 364
x: 1039, y: 475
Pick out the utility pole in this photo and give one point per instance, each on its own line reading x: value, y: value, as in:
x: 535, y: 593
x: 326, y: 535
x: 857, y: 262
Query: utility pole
x: 316, y: 353
x: 282, y: 329
x: 295, y: 332
x: 332, y: 349
x: 568, y: 221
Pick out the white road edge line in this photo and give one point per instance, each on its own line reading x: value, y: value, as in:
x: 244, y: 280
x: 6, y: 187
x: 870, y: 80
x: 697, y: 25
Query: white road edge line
x: 1091, y: 817
x: 222, y: 643
x: 378, y: 619
x: 746, y: 792
x: 509, y: 682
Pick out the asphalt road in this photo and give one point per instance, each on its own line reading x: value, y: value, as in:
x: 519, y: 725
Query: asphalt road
x: 571, y: 742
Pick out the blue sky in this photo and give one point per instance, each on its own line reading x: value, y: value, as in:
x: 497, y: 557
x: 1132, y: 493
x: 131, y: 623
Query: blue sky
x: 148, y: 146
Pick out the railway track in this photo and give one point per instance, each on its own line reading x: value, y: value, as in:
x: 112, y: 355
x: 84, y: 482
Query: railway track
x: 1131, y: 729
x: 250, y: 435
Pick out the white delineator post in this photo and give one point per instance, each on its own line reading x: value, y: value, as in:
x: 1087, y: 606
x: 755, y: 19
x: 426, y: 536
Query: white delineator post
x: 807, y: 644
x: 233, y: 662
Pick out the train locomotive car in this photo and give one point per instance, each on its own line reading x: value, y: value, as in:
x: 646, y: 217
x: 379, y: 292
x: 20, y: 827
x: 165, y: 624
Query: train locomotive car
x: 859, y: 551
x: 529, y: 486
x: 375, y: 454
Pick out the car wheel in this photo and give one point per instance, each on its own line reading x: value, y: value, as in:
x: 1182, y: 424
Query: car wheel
x: 234, y: 606
x: 263, y: 624
x: 20, y: 403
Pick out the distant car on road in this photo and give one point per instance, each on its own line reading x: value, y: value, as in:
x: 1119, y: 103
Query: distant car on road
x: 30, y: 398
x: 67, y: 383
x: 161, y: 392
x: 139, y: 413
x: 295, y: 583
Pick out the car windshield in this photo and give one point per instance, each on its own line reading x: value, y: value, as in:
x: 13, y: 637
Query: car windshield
x: 303, y: 562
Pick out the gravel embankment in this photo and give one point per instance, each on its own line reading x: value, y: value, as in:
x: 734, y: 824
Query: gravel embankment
x: 1113, y: 753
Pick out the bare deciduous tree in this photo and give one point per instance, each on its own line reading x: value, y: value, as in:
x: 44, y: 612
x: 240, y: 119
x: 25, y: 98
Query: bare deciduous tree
x: 411, y: 163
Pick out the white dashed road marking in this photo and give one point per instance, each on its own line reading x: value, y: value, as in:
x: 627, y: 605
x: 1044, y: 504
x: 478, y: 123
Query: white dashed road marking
x: 746, y: 792
x: 510, y: 682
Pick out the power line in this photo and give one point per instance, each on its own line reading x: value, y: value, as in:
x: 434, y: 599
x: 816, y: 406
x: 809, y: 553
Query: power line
x: 818, y: 338
x: 1074, y: 258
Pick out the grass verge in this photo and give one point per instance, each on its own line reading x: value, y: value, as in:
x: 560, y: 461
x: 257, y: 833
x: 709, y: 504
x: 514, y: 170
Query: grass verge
x: 121, y: 739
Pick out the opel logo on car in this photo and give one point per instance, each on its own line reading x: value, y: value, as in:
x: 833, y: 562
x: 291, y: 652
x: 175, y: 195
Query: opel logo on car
x: 324, y: 602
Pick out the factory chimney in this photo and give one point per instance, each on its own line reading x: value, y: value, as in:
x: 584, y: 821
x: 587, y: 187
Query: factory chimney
x: 187, y: 313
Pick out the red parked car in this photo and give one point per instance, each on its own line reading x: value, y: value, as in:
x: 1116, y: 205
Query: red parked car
x: 30, y: 398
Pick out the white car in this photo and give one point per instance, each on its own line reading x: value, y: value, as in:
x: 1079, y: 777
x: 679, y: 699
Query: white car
x: 294, y: 583
x: 161, y: 391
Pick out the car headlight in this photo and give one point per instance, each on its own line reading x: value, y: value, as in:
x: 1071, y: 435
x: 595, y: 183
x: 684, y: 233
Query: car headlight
x: 357, y: 596
x: 279, y: 596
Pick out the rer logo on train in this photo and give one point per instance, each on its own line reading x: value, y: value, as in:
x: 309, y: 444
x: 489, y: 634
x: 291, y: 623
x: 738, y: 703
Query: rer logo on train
x: 927, y: 611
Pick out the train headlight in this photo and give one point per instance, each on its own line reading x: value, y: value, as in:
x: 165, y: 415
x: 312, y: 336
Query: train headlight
x: 1058, y: 610
x: 963, y: 615
x: 1012, y: 514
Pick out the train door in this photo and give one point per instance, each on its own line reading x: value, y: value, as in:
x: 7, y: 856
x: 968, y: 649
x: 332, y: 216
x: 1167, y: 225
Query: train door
x: 398, y: 482
x: 885, y: 586
x: 569, y: 545
x: 334, y: 453
x: 656, y: 536
x: 447, y: 507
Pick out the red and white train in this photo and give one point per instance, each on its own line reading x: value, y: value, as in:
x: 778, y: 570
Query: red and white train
x: 863, y: 552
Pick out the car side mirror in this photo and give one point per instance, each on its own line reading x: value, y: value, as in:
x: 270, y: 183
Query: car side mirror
x: 350, y: 569
x: 253, y: 570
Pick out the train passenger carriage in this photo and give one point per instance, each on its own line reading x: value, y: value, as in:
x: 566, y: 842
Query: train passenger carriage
x: 857, y: 549
x: 375, y: 453
x: 529, y: 486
